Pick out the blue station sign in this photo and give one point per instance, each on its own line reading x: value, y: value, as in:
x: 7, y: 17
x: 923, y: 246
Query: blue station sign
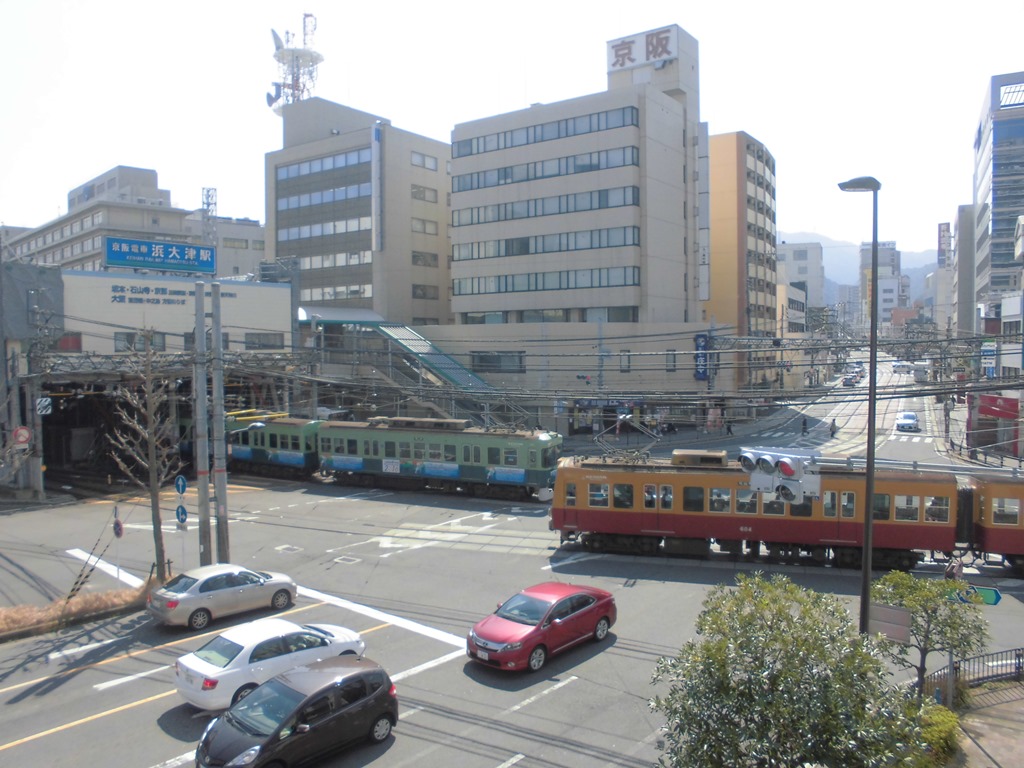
x: 150, y: 254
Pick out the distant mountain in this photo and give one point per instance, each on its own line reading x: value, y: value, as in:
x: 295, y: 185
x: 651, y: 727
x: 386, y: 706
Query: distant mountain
x: 842, y: 262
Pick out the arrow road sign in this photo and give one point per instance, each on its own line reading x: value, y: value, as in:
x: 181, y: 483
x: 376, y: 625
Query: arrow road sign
x: 179, y: 484
x: 182, y: 514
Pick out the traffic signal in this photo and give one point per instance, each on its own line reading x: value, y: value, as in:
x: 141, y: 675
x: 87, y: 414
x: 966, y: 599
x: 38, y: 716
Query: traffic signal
x: 783, y: 473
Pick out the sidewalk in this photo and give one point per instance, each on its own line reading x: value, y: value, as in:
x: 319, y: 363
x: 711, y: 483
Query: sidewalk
x: 993, y: 727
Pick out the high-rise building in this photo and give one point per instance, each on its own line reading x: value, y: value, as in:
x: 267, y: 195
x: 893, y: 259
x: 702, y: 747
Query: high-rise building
x: 803, y: 262
x: 585, y: 210
x: 360, y: 208
x: 963, y: 292
x: 743, y: 298
x: 998, y: 189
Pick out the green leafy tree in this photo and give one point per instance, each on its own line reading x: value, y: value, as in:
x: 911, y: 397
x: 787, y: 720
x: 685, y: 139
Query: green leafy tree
x: 938, y: 624
x: 780, y: 677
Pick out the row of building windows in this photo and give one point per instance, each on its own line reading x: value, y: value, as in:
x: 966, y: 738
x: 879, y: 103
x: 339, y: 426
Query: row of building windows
x: 329, y: 260
x: 626, y: 314
x: 322, y: 197
x: 56, y: 235
x: 613, y: 237
x: 324, y: 229
x: 130, y: 341
x: 608, y: 277
x: 425, y: 292
x: 306, y: 167
x: 334, y: 292
x: 64, y: 252
x: 545, y: 169
x: 548, y: 206
x: 557, y: 129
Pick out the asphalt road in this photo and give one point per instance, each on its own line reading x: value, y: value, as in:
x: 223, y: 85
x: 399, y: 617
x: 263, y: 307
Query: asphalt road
x: 410, y: 572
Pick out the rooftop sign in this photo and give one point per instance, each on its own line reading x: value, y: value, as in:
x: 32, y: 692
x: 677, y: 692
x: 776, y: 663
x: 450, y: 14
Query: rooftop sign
x: 657, y: 45
x: 148, y: 254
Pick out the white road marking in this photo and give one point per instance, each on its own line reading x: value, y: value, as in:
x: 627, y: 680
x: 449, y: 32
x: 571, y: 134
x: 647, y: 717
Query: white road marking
x: 429, y: 665
x: 107, y: 568
x: 570, y: 559
x: 373, y: 613
x: 512, y: 761
x: 543, y: 693
x: 83, y: 648
x: 129, y: 678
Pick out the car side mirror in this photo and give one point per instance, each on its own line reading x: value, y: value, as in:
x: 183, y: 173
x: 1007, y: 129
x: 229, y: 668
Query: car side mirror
x: 302, y: 728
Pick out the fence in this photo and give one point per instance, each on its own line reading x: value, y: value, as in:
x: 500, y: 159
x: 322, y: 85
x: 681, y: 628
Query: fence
x: 1002, y: 665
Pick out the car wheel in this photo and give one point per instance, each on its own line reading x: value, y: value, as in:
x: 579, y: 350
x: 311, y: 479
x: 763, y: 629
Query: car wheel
x: 242, y: 692
x: 199, y: 619
x: 281, y: 600
x: 601, y: 630
x: 537, y: 658
x: 380, y: 729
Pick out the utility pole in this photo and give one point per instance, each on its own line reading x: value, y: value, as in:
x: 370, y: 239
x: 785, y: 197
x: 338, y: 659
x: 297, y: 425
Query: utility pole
x: 220, y: 472
x: 201, y: 446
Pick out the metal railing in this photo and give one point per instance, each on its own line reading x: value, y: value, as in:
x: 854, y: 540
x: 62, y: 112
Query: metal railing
x: 989, y: 667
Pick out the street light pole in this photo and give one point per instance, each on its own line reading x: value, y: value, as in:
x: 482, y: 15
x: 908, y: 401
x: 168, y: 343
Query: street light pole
x: 872, y: 185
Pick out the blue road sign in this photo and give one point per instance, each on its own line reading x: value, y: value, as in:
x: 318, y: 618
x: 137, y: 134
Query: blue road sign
x: 182, y: 514
x: 179, y: 484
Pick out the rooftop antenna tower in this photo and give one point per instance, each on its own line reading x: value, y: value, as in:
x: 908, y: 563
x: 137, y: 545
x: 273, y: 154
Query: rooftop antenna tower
x: 297, y: 66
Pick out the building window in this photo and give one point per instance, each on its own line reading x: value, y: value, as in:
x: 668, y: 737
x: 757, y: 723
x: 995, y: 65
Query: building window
x: 235, y: 242
x: 129, y: 341
x: 425, y: 226
x: 549, y: 281
x: 498, y: 362
x: 670, y: 361
x: 587, y: 239
x: 624, y: 361
x: 424, y: 292
x: 265, y: 340
x: 590, y: 200
x: 422, y: 259
x: 421, y: 160
x: 572, y: 126
x: 424, y: 193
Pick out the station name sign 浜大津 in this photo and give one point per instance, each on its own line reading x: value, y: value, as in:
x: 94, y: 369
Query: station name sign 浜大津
x: 150, y: 254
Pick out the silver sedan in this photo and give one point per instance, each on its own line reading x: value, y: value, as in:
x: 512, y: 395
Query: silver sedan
x: 195, y: 597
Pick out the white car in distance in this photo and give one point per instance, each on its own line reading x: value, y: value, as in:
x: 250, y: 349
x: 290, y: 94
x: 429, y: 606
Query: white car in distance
x: 906, y: 421
x: 232, y: 664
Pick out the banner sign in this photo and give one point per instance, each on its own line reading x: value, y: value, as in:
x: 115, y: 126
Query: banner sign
x: 148, y: 254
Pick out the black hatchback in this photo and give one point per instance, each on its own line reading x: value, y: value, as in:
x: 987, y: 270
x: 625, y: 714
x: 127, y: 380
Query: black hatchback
x: 299, y: 716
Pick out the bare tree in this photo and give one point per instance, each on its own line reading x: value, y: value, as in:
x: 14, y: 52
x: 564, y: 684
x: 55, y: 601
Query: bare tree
x: 145, y: 444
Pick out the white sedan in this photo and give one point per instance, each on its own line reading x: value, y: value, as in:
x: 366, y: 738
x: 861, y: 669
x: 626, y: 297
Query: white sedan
x: 232, y: 664
x: 907, y: 422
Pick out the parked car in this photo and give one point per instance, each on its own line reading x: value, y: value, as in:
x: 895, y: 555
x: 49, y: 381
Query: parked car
x: 301, y: 715
x: 232, y: 664
x: 539, y: 622
x: 907, y: 422
x: 194, y: 598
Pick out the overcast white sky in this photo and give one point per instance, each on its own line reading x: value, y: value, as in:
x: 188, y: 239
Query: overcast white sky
x: 888, y: 89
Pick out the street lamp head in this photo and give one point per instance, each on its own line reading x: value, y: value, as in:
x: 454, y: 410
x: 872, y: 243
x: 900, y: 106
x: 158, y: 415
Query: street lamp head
x: 861, y: 184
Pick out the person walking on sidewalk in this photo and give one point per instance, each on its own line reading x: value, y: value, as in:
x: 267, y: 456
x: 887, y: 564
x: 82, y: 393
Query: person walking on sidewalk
x: 833, y: 428
x: 803, y: 425
x: 728, y: 427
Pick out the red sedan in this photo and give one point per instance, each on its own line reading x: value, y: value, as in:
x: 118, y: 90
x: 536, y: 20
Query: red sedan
x: 538, y: 622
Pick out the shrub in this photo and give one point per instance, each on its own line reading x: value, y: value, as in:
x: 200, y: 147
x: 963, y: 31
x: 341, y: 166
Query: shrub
x: 940, y: 730
x: 61, y: 612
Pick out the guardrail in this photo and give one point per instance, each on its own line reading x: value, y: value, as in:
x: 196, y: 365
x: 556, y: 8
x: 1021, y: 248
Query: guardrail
x: 987, y: 668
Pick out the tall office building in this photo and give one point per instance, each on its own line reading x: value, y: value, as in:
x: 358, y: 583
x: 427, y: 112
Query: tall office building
x: 890, y: 291
x: 998, y: 189
x: 360, y: 207
x: 743, y: 298
x: 585, y: 210
x: 963, y: 291
x: 803, y: 262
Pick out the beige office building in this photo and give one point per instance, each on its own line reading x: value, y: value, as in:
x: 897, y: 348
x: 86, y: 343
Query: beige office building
x: 127, y: 203
x: 577, y: 232
x: 360, y: 208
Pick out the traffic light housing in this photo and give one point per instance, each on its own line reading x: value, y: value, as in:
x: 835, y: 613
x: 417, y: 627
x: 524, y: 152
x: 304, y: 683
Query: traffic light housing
x: 780, y: 472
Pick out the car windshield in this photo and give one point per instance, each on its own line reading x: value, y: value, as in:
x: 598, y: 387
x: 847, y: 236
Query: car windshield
x: 180, y: 584
x: 263, y: 710
x: 908, y: 416
x: 524, y: 609
x: 219, y: 652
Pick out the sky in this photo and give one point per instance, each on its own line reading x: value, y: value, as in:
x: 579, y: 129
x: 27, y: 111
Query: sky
x: 888, y: 89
